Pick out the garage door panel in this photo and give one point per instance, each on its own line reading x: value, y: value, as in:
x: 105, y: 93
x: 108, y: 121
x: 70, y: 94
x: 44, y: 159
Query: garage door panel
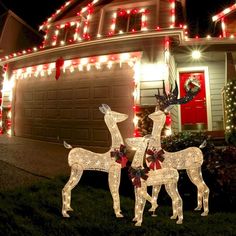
x: 101, y: 92
x: 82, y: 93
x: 100, y: 135
x: 81, y: 114
x: 65, y: 94
x: 82, y: 134
x: 48, y: 104
x: 51, y: 95
x: 36, y: 113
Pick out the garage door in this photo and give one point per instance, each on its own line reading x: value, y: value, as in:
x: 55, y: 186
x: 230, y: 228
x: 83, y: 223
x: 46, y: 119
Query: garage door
x: 68, y: 109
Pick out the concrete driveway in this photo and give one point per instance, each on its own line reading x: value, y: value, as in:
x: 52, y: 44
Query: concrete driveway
x: 25, y: 161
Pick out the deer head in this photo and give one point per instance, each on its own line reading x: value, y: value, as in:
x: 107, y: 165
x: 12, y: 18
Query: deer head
x: 109, y: 114
x: 166, y: 100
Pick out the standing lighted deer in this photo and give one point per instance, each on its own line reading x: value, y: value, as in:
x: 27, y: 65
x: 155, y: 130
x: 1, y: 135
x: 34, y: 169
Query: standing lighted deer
x: 80, y: 159
x: 142, y: 178
x: 189, y: 159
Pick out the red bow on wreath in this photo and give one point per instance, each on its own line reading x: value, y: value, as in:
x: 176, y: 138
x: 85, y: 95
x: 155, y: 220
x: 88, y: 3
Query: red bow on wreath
x: 135, y: 174
x: 155, y: 158
x: 59, y: 64
x: 120, y: 155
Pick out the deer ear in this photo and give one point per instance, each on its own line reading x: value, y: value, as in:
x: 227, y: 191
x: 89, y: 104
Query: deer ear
x: 106, y: 107
x: 101, y: 108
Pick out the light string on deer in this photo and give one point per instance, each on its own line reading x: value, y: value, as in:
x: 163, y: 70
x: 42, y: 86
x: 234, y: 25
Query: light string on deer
x: 189, y: 159
x: 142, y: 177
x: 80, y: 159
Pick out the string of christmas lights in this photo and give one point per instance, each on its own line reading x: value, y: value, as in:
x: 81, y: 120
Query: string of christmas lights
x: 230, y: 110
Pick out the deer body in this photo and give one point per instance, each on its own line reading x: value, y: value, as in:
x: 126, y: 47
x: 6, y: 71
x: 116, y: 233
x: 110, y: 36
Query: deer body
x: 189, y: 159
x: 80, y: 159
x: 167, y: 176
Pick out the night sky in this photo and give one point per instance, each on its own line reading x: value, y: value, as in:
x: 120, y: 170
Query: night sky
x: 199, y: 13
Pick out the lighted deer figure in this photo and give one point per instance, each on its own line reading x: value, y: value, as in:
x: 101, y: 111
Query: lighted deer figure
x: 189, y: 159
x: 141, y: 178
x: 80, y: 159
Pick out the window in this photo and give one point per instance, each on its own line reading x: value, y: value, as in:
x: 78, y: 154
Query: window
x: 66, y: 34
x: 128, y: 21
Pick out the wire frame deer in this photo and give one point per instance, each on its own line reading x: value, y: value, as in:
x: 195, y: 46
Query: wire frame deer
x: 189, y: 159
x: 80, y: 159
x: 142, y: 178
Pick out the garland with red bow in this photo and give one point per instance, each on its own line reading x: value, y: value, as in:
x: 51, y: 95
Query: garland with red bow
x: 155, y: 157
x: 120, y: 155
x: 135, y: 175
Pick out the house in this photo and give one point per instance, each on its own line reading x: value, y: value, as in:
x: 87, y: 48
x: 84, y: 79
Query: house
x: 119, y: 53
x: 15, y: 35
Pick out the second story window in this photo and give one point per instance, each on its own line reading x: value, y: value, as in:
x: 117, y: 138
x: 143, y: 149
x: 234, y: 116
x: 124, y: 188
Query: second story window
x: 129, y: 20
x: 67, y: 33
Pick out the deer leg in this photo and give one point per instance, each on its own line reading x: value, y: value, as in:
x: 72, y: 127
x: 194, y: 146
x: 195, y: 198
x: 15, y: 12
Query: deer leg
x: 195, y: 175
x: 155, y: 193
x: 135, y: 204
x: 177, y: 203
x: 114, y: 184
x: 141, y: 201
x: 76, y: 173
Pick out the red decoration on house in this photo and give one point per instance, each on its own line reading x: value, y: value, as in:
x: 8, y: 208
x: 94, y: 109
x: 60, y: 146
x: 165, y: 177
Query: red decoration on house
x: 168, y: 120
x: 59, y: 64
x: 5, y: 67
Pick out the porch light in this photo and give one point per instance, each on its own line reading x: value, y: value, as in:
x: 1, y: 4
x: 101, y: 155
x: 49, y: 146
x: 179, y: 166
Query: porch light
x: 196, y: 54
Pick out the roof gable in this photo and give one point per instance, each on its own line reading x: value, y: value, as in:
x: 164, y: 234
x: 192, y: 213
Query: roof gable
x: 225, y: 12
x: 83, y: 5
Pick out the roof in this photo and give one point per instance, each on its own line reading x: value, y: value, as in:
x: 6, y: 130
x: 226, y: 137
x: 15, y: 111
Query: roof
x: 224, y: 13
x: 64, y: 8
x: 3, y: 18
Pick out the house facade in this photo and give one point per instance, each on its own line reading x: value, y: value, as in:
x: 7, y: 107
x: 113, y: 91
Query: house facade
x: 118, y: 53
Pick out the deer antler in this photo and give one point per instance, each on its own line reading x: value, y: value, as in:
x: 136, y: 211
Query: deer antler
x: 165, y: 100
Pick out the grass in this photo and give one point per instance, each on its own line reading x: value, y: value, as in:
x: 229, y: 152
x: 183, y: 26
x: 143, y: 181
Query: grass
x: 36, y: 211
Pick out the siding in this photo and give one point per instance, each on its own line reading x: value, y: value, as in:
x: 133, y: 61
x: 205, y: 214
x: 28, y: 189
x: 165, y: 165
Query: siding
x: 174, y: 110
x: 164, y: 14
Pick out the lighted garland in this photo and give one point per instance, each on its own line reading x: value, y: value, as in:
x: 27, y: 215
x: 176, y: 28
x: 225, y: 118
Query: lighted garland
x: 230, y: 110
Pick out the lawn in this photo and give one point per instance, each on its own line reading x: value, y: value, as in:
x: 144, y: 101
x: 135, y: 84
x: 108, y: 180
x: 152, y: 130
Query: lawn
x: 36, y: 210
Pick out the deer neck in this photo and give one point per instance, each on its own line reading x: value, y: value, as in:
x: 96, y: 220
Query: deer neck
x: 116, y: 138
x: 138, y: 157
x: 157, y: 128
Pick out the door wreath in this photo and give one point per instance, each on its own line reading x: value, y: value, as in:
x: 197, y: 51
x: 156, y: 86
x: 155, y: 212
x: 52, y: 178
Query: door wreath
x: 192, y: 84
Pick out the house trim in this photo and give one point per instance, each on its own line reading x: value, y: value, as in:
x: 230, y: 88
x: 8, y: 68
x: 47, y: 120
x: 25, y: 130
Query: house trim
x: 128, y: 37
x: 208, y: 94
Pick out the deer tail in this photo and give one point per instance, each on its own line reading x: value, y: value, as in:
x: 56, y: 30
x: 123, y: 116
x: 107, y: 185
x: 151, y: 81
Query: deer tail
x: 67, y: 145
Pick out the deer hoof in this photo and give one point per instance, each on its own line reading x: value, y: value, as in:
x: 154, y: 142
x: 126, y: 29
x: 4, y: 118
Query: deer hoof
x: 179, y: 222
x: 134, y: 219
x: 65, y: 214
x: 139, y: 223
x: 70, y: 209
x: 154, y: 207
x: 198, y: 208
x: 119, y: 215
x: 204, y: 213
x: 173, y: 217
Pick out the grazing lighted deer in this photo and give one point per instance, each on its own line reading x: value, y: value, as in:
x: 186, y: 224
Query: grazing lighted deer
x: 81, y: 159
x: 141, y: 178
x: 189, y: 159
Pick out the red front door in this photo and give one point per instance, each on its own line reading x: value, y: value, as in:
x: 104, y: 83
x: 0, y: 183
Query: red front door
x: 193, y: 113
